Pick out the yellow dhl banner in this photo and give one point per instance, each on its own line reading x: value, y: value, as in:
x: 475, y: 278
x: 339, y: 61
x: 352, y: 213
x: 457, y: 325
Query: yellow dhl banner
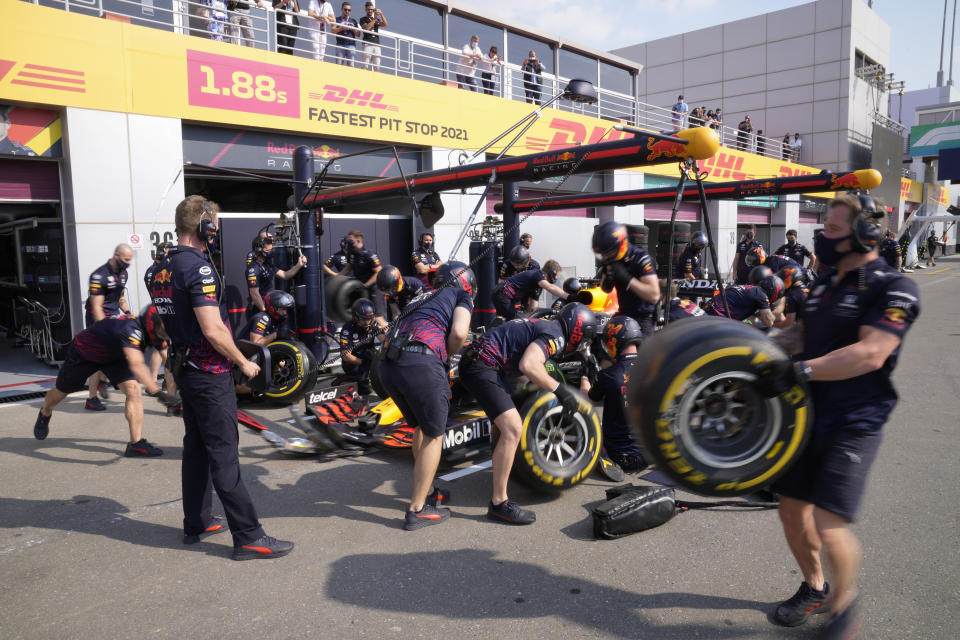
x: 51, y: 57
x: 912, y: 191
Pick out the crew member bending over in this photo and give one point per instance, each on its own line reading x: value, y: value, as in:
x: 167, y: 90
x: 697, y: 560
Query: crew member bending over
x: 114, y: 346
x: 521, y: 348
x: 745, y: 301
x: 519, y: 293
x: 397, y: 290
x: 414, y: 373
x: 630, y: 270
x: 794, y: 297
x: 680, y: 308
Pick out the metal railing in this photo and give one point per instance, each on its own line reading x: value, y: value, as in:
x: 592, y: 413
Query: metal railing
x: 300, y: 35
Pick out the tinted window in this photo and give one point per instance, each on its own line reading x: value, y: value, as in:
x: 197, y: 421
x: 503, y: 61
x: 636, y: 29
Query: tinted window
x: 519, y: 46
x: 616, y: 79
x: 408, y: 18
x: 460, y: 30
x: 574, y: 65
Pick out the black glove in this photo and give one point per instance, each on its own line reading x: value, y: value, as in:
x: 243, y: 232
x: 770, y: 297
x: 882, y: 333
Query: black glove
x: 583, y: 297
x: 618, y: 272
x: 775, y: 377
x: 567, y: 398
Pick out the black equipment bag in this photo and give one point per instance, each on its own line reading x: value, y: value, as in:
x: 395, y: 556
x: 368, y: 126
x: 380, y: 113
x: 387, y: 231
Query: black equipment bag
x: 632, y: 510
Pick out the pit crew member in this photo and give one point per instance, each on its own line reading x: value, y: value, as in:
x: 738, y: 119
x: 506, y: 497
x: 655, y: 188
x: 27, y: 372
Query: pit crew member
x: 159, y: 356
x: 263, y: 326
x: 739, y: 269
x: 114, y: 346
x: 796, y: 251
x: 261, y: 273
x: 690, y: 262
x: 520, y: 348
x: 414, y: 373
x: 847, y: 340
x: 397, y: 290
x: 890, y: 251
x: 338, y: 261
x: 364, y: 265
x: 745, y: 301
x: 203, y: 351
x: 795, y: 294
x: 425, y: 260
x: 630, y: 270
x: 680, y: 308
x: 509, y: 268
x: 520, y: 292
x: 357, y: 345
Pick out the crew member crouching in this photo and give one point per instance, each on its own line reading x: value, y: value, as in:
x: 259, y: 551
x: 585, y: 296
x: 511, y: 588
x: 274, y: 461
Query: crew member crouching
x: 520, y: 348
x: 630, y: 270
x: 357, y: 345
x: 621, y: 337
x: 413, y: 371
x: 397, y: 290
x: 264, y: 326
x: 745, y: 301
x: 679, y: 308
x: 114, y: 346
x: 520, y: 292
x: 795, y: 295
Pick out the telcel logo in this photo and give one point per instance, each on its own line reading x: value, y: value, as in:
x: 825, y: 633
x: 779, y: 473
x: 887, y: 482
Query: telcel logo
x: 323, y: 396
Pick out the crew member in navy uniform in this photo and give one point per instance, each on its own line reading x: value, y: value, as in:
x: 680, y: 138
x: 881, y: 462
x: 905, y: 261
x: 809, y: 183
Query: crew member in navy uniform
x: 203, y: 352
x: 740, y: 270
x: 890, y: 251
x: 510, y: 267
x: 358, y: 345
x: 621, y: 337
x: 690, y: 262
x: 848, y: 340
x: 795, y: 295
x: 159, y: 356
x: 397, y: 290
x: 796, y: 251
x: 755, y: 257
x: 489, y: 368
x: 680, y: 308
x: 414, y: 373
x: 630, y: 270
x: 252, y: 254
x: 261, y: 273
x: 105, y: 299
x: 519, y: 293
x: 746, y: 300
x: 338, y: 261
x: 425, y: 259
x: 364, y: 265
x: 263, y: 326
x: 114, y: 346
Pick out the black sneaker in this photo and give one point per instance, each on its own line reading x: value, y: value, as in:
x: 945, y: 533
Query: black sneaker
x: 94, y: 404
x: 216, y: 526
x: 142, y: 449
x: 629, y: 462
x: 176, y: 411
x: 845, y: 625
x: 425, y: 517
x: 42, y: 426
x: 438, y: 497
x: 806, y: 602
x: 264, y: 547
x: 103, y: 391
x: 510, y: 511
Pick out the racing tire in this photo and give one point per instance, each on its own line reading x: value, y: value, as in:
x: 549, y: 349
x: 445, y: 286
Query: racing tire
x: 294, y: 372
x: 693, y: 406
x: 555, y: 452
x: 544, y: 314
x: 340, y: 294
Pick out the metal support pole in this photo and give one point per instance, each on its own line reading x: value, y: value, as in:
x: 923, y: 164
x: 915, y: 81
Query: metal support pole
x: 310, y: 246
x: 684, y: 167
x: 713, y: 247
x: 512, y: 239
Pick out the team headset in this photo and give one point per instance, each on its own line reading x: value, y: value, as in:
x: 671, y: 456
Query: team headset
x: 867, y: 234
x: 260, y: 246
x: 207, y: 232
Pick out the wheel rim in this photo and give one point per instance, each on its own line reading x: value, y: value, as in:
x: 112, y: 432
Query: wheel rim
x: 284, y: 373
x: 725, y: 423
x: 560, y: 440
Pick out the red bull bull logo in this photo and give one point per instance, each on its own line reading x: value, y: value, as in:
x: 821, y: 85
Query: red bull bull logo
x: 163, y: 276
x: 664, y: 149
x: 326, y: 151
x: 566, y: 156
x: 843, y: 182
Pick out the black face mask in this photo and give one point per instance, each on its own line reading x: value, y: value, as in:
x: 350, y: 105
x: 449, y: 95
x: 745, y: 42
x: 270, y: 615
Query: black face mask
x: 791, y: 241
x: 749, y: 235
x: 826, y: 249
x: 428, y: 246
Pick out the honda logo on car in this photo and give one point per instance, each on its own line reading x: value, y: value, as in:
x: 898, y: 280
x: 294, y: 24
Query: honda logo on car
x: 462, y: 434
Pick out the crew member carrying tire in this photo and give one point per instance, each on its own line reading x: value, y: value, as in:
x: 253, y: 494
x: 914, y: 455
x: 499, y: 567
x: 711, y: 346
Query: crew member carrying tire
x: 795, y: 295
x: 364, y: 265
x: 519, y: 293
x: 630, y: 270
x: 414, y: 374
x: 396, y: 290
x: 690, y: 262
x: 621, y: 337
x: 680, y: 308
x: 746, y: 301
x: 357, y: 346
x: 521, y: 348
x: 261, y: 273
x: 425, y: 260
x: 114, y: 346
x: 202, y: 351
x: 262, y: 328
x: 848, y: 339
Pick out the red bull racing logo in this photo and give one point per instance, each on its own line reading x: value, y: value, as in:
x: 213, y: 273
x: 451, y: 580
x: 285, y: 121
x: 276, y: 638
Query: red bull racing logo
x: 162, y: 276
x: 848, y: 181
x: 664, y: 149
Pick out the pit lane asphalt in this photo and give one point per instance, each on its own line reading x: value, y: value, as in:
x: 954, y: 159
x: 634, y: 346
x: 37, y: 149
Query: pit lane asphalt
x: 90, y: 541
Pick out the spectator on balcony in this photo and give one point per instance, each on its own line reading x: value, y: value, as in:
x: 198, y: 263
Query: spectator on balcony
x: 348, y: 34
x: 719, y: 118
x: 679, y: 112
x: 469, y: 61
x: 490, y: 70
x: 797, y: 146
x: 532, y: 77
x: 287, y: 23
x: 711, y: 120
x: 241, y: 26
x: 216, y: 15
x: 321, y: 16
x: 744, y: 129
x: 786, y: 146
x: 761, y: 145
x: 371, y: 23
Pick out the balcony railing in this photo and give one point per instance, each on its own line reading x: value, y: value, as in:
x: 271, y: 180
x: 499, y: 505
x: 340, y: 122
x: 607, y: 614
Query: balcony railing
x: 396, y: 54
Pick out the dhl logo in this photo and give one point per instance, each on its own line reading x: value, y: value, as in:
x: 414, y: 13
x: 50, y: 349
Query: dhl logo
x: 664, y: 149
x: 359, y: 97
x: 163, y: 276
x: 845, y: 182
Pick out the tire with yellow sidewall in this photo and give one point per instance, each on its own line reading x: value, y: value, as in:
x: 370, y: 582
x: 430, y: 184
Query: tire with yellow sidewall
x: 295, y: 371
x: 693, y: 406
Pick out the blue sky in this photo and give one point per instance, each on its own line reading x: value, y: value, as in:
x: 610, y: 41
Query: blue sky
x: 610, y: 24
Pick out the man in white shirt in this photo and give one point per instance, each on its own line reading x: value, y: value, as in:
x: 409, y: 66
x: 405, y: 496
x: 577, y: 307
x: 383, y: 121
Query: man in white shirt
x: 797, y: 144
x: 321, y: 14
x: 468, y: 64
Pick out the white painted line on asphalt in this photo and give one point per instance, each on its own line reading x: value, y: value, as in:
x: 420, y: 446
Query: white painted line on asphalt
x: 927, y: 284
x: 465, y: 472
